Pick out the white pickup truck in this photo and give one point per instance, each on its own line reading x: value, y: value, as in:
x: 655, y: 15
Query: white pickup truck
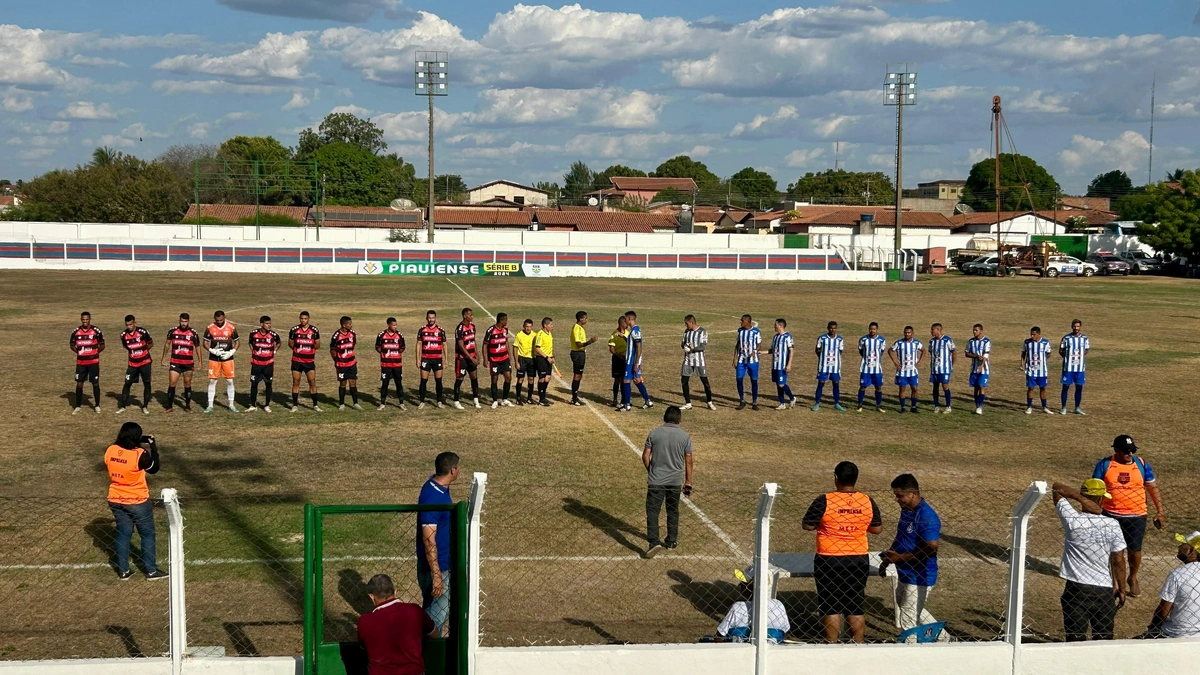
x: 1067, y: 265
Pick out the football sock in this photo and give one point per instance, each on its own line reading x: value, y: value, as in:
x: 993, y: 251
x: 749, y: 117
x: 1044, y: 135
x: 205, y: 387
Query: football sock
x: 837, y: 392
x: 779, y: 393
x: 819, y: 395
x: 268, y: 389
x: 617, y: 391
x: 475, y: 388
x: 542, y: 387
x: 1078, y: 395
x: 687, y: 394
x: 787, y: 390
x: 457, y: 389
x: 254, y: 392
x: 861, y: 395
x: 530, y: 397
x: 947, y: 392
x: 493, y: 390
x: 313, y: 395
x: 878, y: 398
x: 1044, y: 404
x: 754, y: 391
x: 437, y: 387
x: 212, y: 392
x: 507, y: 384
x: 421, y: 391
x: 125, y: 394
x: 1066, y: 389
x: 354, y: 395
x: 187, y: 395
x: 574, y: 390
x: 170, y: 397
x: 96, y: 392
x: 626, y: 393
x: 707, y: 390
x: 1028, y: 402
x: 79, y: 397
x: 229, y: 392
x: 383, y: 393
x: 937, y: 397
x: 901, y: 397
x: 741, y: 389
x: 912, y: 401
x: 146, y: 393
x: 642, y: 390
x: 341, y: 396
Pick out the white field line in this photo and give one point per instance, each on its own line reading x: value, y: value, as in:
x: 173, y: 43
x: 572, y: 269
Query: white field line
x: 716, y: 529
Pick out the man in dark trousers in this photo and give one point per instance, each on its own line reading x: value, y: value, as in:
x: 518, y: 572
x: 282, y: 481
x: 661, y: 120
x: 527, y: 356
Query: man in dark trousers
x: 433, y: 540
x: 1093, y: 554
x: 392, y: 632
x: 667, y: 457
x: 128, y: 461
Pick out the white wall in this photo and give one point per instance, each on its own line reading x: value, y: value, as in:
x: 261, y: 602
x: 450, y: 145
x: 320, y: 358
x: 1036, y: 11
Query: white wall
x: 156, y: 666
x: 722, y: 659
x: 509, y: 192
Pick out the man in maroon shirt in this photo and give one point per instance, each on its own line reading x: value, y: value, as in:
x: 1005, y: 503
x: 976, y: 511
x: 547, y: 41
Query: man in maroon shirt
x: 392, y: 632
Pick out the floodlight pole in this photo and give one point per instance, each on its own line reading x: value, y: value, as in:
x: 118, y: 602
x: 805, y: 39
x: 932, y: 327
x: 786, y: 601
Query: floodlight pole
x: 900, y: 89
x: 431, y: 189
x: 431, y: 75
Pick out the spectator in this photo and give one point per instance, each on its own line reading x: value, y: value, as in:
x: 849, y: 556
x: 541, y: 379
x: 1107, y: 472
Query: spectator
x: 1129, y: 478
x: 433, y: 540
x: 842, y: 519
x: 735, y: 627
x: 128, y: 462
x: 667, y: 457
x: 1092, y: 549
x: 1178, y: 613
x: 914, y: 553
x: 392, y: 632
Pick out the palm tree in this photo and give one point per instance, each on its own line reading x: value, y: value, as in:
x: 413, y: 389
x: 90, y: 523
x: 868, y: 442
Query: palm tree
x: 104, y: 156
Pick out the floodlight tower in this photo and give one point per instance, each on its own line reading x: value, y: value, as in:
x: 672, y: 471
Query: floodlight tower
x: 900, y: 89
x: 431, y: 77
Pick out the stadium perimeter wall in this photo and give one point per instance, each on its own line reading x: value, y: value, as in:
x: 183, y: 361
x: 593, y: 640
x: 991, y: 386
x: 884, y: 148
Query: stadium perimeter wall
x: 258, y: 665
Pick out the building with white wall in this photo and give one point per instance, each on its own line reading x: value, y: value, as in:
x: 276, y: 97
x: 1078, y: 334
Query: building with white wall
x: 508, y: 191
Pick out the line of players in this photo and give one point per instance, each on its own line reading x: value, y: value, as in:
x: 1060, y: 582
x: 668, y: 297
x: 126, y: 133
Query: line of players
x: 531, y: 356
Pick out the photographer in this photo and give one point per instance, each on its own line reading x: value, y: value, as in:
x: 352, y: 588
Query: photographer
x: 128, y: 461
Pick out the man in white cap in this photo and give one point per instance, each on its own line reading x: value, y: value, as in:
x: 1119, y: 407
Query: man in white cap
x: 1178, y: 613
x: 1092, y: 557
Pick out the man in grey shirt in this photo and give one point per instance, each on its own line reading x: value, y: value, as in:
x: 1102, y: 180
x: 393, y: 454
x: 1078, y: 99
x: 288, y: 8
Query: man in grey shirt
x: 667, y: 457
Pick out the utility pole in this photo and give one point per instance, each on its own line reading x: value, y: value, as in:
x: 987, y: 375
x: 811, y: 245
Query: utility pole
x: 868, y: 192
x: 997, y: 113
x: 1153, y: 84
x: 431, y: 77
x: 900, y: 89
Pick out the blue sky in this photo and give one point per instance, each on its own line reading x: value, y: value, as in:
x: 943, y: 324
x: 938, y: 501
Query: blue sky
x: 534, y: 88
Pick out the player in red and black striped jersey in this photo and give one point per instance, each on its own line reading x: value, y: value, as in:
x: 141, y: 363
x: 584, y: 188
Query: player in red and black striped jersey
x: 304, y: 340
x: 86, y: 343
x: 341, y: 348
x: 431, y: 340
x: 390, y: 345
x: 466, y: 357
x: 179, y: 354
x: 264, y: 342
x: 138, y: 343
x: 499, y: 357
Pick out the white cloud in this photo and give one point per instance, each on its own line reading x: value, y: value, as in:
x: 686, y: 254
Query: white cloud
x: 599, y: 107
x: 802, y: 158
x: 25, y: 54
x: 1039, y: 101
x: 86, y: 110
x: 202, y: 130
x: 210, y: 87
x: 977, y: 155
x: 1127, y: 152
x: 116, y: 141
x: 141, y: 131
x: 299, y: 100
x: 347, y: 11
x: 630, y: 146
x: 95, y: 62
x: 516, y: 149
x: 276, y: 57
x: 411, y: 126
x: 59, y: 127
x: 765, y: 126
x: 16, y: 100
x: 700, y: 151
x: 833, y: 124
x: 33, y: 154
x: 882, y: 160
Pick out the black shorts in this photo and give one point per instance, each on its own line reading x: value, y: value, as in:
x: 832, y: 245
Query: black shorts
x: 386, y: 374
x: 525, y: 366
x: 501, y: 367
x: 1133, y: 528
x: 431, y: 365
x: 182, y: 367
x: 577, y: 360
x: 262, y: 373
x: 347, y: 373
x: 618, y: 366
x: 85, y: 373
x: 298, y: 367
x: 841, y: 583
x: 543, y: 366
x: 135, y: 373
x: 463, y: 365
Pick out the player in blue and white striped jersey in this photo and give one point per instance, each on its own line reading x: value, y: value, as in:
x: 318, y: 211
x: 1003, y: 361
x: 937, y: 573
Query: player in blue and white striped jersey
x: 829, y: 365
x: 1073, y: 349
x: 906, y: 354
x: 745, y: 360
x: 633, y: 366
x: 942, y: 355
x: 781, y: 363
x: 871, y: 348
x: 1034, y: 355
x: 695, y: 340
x: 979, y: 350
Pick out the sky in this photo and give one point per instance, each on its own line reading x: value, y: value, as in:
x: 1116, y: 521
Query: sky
x: 782, y: 88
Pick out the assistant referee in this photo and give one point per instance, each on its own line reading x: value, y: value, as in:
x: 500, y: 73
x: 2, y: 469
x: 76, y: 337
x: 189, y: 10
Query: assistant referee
x: 579, y: 342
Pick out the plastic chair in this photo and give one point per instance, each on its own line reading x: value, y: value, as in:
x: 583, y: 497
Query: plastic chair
x: 923, y: 634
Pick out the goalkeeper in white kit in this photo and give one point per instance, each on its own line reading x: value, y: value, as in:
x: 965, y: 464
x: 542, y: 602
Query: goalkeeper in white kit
x: 221, y: 340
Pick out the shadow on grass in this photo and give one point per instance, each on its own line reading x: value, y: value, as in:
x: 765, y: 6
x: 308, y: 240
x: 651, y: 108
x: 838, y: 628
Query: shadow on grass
x: 242, y: 644
x: 608, y: 637
x: 103, y: 533
x: 128, y: 642
x: 353, y: 590
x: 984, y: 550
x: 606, y: 523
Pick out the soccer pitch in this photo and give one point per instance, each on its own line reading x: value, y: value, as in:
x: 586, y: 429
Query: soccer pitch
x: 564, y: 519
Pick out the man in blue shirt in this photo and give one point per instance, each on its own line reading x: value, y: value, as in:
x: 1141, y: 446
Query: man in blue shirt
x: 433, y: 540
x: 914, y: 553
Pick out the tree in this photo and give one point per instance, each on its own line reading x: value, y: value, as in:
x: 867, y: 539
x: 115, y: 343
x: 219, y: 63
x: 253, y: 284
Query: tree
x: 682, y: 166
x: 342, y: 128
x: 1174, y: 226
x: 758, y: 188
x: 354, y: 176
x: 577, y: 182
x: 104, y: 156
x: 256, y: 148
x: 125, y: 190
x: 1114, y: 184
x: 1137, y: 207
x: 1022, y: 180
x: 844, y: 187
x: 601, y: 181
x: 446, y: 188
x: 182, y: 158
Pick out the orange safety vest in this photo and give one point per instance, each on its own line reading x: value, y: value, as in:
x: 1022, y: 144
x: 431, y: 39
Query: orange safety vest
x: 1127, y: 486
x: 128, y: 482
x: 843, y: 528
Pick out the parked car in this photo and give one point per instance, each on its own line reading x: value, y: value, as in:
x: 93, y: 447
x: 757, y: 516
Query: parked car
x: 1069, y: 265
x: 1109, y: 264
x: 983, y: 265
x: 1141, y: 263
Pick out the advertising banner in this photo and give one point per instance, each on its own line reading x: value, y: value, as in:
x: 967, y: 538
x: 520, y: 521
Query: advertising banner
x: 454, y: 269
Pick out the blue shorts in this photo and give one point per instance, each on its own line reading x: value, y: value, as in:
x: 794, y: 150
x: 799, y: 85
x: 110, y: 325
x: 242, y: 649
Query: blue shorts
x: 743, y: 368
x: 978, y: 379
x: 908, y: 380
x: 826, y: 377
x: 632, y: 372
x: 939, y: 378
x: 1032, y: 382
x: 870, y: 379
x: 779, y: 377
x: 1079, y: 378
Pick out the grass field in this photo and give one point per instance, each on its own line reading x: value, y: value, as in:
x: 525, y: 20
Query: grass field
x: 564, y: 521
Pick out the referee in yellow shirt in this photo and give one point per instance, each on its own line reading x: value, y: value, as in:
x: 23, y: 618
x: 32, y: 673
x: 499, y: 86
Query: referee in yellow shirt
x: 543, y: 358
x: 579, y: 342
x: 523, y: 346
x: 616, y: 346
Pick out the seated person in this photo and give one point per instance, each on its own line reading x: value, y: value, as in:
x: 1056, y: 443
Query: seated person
x: 735, y: 627
x: 1178, y: 612
x: 392, y: 632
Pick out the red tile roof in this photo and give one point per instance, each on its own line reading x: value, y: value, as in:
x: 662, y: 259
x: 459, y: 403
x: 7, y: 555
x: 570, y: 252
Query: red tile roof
x: 477, y: 217
x: 1088, y: 203
x: 944, y: 181
x: 232, y: 213
x: 9, y: 200
x: 883, y: 218
x: 656, y: 184
x: 607, y: 221
x: 768, y: 216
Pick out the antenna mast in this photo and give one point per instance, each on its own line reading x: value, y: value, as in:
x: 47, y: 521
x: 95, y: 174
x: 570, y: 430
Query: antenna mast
x: 1153, y: 84
x: 996, y: 111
